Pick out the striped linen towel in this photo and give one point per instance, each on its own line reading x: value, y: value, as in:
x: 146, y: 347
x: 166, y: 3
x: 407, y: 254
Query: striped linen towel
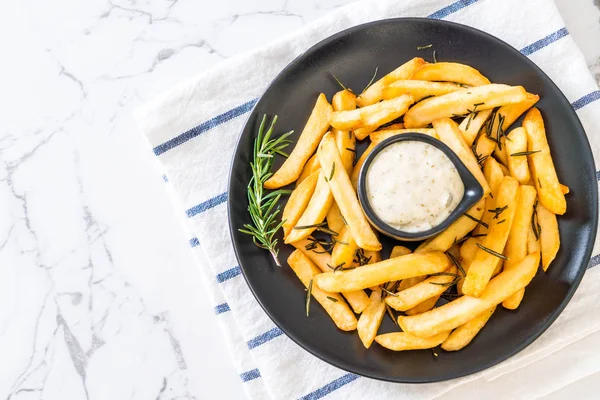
x: 193, y: 129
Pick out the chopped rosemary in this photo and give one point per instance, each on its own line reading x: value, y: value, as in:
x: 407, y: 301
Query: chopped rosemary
x: 524, y: 153
x: 332, y: 299
x: 539, y: 183
x: 390, y: 313
x: 308, y: 294
x: 360, y: 258
x: 458, y: 266
x: 319, y: 227
x: 473, y: 114
x: 492, y: 252
x: 388, y: 292
x: 535, y: 225
x: 424, y: 47
x: 481, y: 160
x: 476, y: 220
x: 341, y: 84
x: 332, y: 172
x: 343, y: 219
x: 500, y: 132
x: 497, y: 211
x: 434, y: 59
x: 261, y: 205
x: 349, y: 149
x: 499, y: 222
x: 371, y: 81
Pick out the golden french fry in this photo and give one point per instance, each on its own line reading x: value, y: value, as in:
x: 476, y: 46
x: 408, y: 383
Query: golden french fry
x: 509, y: 114
x: 542, y: 167
x: 398, y: 251
x: 315, y: 211
x: 344, y: 249
x: 430, y: 287
x: 424, y: 306
x: 419, y: 89
x: 298, y: 201
x: 373, y: 115
x: 370, y: 319
x: 516, y: 148
x: 410, y: 282
x: 484, y: 264
x: 472, y: 124
x: 373, y: 256
x: 333, y: 303
x: 359, y: 164
x: 451, y: 72
x: 400, y: 341
x: 362, y: 133
x: 464, y: 334
x: 516, y: 245
x: 379, y: 136
x: 533, y: 242
x: 493, y: 176
x: 335, y: 222
x: 462, y: 102
x: 374, y: 92
x: 311, y: 166
x: 358, y: 299
x: 564, y: 189
x: 468, y: 250
x: 392, y: 269
x: 307, y: 143
x: 549, y: 236
x: 345, y: 197
x: 448, y: 132
x: 462, y: 310
x: 456, y: 231
x: 346, y: 142
x: 505, y: 170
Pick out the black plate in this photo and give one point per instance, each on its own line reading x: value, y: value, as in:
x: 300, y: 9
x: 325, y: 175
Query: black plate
x: 353, y: 55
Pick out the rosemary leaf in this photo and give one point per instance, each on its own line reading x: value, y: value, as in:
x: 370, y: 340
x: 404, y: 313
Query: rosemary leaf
x: 308, y: 295
x: 524, y: 153
x: 480, y: 222
x: 424, y: 47
x: 341, y: 84
x: 332, y: 299
x: 492, y: 252
x: 371, y: 81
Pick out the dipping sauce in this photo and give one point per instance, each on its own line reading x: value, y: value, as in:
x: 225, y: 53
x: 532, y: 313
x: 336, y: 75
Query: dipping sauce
x: 413, y: 186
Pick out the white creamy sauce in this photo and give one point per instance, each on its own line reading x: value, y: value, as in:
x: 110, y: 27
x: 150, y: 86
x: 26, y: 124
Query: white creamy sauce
x: 413, y: 186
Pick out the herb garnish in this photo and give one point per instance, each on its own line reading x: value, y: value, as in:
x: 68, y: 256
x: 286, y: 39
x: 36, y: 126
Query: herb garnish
x: 539, y: 183
x: 492, y: 252
x: 388, y: 292
x: 481, y: 160
x: 476, y: 220
x: 434, y: 59
x: 424, y: 47
x: 499, y: 222
x: 341, y: 84
x: 497, y: 211
x: 390, y: 313
x: 332, y: 299
x: 458, y: 266
x: 349, y: 149
x: 535, y: 225
x: 473, y: 114
x: 319, y: 227
x: 500, y: 132
x: 261, y: 205
x: 360, y: 258
x: 525, y: 153
x: 371, y: 81
x: 332, y: 172
x: 308, y: 294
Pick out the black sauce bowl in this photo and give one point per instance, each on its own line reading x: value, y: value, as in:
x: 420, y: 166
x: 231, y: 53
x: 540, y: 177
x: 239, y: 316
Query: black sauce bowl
x: 473, y: 190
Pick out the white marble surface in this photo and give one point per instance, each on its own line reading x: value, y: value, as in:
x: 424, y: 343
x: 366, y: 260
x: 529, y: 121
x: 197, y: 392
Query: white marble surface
x: 99, y: 295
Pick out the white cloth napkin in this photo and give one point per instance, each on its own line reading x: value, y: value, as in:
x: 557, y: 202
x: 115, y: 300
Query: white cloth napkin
x: 193, y: 129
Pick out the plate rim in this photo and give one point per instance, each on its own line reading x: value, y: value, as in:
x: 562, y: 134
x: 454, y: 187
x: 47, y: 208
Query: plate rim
x: 469, y: 370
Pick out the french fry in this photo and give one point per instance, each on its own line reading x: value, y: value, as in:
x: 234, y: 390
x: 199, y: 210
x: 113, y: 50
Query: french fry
x: 448, y: 132
x: 468, y: 250
x: 398, y: 125
x: 346, y: 142
x: 359, y: 164
x: 410, y: 282
x: 307, y: 143
x: 373, y: 115
x: 517, y: 164
x: 451, y: 72
x: 392, y: 269
x: 344, y: 249
x: 344, y: 195
x: 533, y: 243
x: 516, y: 245
x: 362, y: 133
x: 505, y: 170
x: 456, y: 231
x: 380, y: 136
x: 374, y: 92
x: 424, y: 306
x: 430, y: 287
x: 370, y: 319
x: 462, y: 102
x: 311, y: 166
x: 335, y: 222
x: 358, y: 299
x: 549, y: 236
x: 373, y: 256
x: 564, y: 189
x: 493, y: 176
x: 333, y: 303
x: 472, y: 124
x: 400, y: 341
x: 460, y: 311
x: 484, y: 264
x: 419, y: 89
x: 297, y: 202
x: 464, y: 334
x: 315, y: 211
x: 542, y: 167
x: 398, y: 251
x: 509, y: 114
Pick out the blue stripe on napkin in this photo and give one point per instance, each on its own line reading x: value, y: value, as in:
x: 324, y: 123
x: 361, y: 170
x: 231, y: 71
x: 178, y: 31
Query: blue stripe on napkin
x: 230, y: 273
x: 250, y: 375
x: 222, y: 308
x: 551, y: 38
x: 330, y: 387
x: 264, y: 338
x: 451, y: 9
x: 205, y: 205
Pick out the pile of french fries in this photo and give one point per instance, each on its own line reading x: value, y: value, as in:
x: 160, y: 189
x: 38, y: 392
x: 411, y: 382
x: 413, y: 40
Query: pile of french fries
x: 485, y: 258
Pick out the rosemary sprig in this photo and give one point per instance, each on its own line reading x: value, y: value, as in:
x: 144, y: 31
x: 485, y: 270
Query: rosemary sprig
x: 500, y: 132
x: 308, y: 295
x: 371, y: 81
x: 480, y: 222
x: 492, y: 252
x: 360, y: 258
x: 262, y: 205
x: 535, y: 225
x: 497, y: 211
x: 424, y: 47
x: 472, y: 114
x: 341, y: 84
x: 524, y: 153
x: 434, y: 59
x: 458, y: 266
x: 322, y: 227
